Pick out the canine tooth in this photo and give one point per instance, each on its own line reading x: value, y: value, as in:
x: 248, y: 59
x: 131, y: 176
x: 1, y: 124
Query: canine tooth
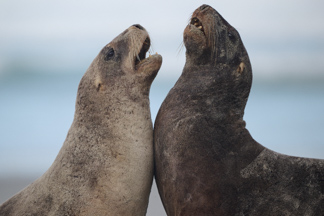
x: 138, y: 58
x: 199, y: 27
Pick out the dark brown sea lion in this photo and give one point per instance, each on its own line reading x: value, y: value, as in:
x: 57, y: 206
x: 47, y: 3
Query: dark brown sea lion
x: 206, y: 162
x: 105, y: 166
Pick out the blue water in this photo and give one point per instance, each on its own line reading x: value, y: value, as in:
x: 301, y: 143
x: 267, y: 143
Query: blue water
x: 36, y: 111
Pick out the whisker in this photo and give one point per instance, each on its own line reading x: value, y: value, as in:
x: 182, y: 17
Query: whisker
x: 180, y: 48
x: 189, y: 20
x: 212, y: 40
x: 151, y: 49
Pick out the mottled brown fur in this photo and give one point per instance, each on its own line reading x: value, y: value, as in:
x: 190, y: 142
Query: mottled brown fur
x: 105, y: 166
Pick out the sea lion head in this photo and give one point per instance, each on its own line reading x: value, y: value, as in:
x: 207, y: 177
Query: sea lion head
x: 214, y: 49
x: 120, y: 71
x: 126, y: 55
x: 211, y: 39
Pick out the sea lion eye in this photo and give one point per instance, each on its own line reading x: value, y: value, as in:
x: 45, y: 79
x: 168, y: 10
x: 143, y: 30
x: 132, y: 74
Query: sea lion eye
x: 110, y: 54
x: 231, y: 36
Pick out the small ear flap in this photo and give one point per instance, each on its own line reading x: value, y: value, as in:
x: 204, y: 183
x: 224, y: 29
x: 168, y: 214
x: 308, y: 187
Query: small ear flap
x: 98, y: 84
x: 240, y: 68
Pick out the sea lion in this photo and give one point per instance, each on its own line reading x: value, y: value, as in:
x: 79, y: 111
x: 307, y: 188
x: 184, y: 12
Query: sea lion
x: 206, y: 162
x: 105, y: 166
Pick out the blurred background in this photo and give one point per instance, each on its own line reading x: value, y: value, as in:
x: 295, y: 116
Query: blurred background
x: 46, y: 46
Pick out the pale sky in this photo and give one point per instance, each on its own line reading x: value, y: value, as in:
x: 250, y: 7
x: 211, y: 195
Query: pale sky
x: 282, y: 38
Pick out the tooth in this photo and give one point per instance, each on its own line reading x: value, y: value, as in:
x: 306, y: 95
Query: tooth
x: 200, y: 27
x: 138, y: 58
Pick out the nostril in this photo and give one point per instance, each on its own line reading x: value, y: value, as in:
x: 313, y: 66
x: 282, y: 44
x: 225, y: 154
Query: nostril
x: 204, y: 6
x: 139, y: 26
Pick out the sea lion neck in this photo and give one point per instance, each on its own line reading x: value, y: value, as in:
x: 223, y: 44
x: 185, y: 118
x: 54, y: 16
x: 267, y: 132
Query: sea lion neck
x: 117, y: 94
x: 214, y: 91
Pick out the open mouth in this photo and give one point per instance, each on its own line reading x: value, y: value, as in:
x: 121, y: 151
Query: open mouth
x: 142, y: 54
x: 196, y: 22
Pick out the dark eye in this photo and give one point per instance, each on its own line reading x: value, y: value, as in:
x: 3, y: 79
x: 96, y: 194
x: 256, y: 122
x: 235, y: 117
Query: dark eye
x: 110, y: 54
x: 231, y: 36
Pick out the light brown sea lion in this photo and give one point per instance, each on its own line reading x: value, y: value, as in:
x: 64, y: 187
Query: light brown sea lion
x: 105, y: 166
x: 206, y: 161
